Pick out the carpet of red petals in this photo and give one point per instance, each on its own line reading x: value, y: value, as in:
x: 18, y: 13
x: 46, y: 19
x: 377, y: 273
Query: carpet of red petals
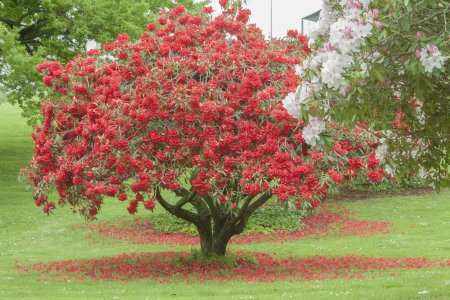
x: 169, y: 266
x: 330, y: 221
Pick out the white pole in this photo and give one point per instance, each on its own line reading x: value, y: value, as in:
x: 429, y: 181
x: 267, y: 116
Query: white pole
x: 271, y: 22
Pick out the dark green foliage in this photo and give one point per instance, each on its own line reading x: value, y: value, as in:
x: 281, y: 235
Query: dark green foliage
x: 267, y: 219
x: 168, y: 223
x: 388, y: 185
x: 272, y: 218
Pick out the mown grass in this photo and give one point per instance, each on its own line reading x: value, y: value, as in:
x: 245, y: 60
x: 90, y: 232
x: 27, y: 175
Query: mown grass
x: 421, y: 229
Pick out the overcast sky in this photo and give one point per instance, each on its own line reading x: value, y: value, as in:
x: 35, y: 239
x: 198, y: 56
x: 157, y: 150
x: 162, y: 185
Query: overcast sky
x: 287, y: 14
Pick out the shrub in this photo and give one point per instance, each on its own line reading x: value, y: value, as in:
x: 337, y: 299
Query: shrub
x: 194, y: 109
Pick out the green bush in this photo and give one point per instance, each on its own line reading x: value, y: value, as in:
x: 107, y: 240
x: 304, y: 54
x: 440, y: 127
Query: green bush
x: 388, y: 185
x: 267, y: 219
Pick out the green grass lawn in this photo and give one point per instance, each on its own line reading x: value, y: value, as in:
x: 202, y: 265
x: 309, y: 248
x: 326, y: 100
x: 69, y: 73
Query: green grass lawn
x: 421, y: 229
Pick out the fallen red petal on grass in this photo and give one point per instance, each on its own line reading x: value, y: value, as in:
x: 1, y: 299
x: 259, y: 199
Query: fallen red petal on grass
x: 169, y: 266
x: 324, y: 223
x: 140, y: 231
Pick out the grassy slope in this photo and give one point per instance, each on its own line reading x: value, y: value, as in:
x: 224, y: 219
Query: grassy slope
x: 27, y: 236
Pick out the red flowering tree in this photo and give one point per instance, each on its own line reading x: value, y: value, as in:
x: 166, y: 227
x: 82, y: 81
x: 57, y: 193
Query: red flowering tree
x: 189, y: 116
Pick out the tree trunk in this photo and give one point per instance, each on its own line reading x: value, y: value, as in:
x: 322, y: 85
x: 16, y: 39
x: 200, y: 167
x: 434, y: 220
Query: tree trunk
x: 214, y: 227
x: 220, y: 247
x: 213, y: 246
x: 206, y: 241
x: 212, y: 243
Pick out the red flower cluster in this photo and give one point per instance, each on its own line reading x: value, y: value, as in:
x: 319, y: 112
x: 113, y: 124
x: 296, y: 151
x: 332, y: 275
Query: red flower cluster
x: 171, y: 266
x: 375, y: 175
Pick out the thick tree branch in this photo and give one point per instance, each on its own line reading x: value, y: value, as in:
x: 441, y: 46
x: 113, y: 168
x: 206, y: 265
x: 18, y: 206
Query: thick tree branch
x: 22, y: 17
x: 199, y: 204
x: 218, y: 216
x: 186, y: 199
x: 258, y: 203
x: 201, y: 207
x: 243, y: 208
x: 10, y: 23
x: 18, y: 23
x: 242, y: 221
x: 213, y: 208
x: 180, y: 213
x: 29, y: 34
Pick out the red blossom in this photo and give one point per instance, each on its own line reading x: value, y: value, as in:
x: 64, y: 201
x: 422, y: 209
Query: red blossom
x: 132, y: 208
x: 122, y: 197
x: 162, y: 20
x: 372, y: 161
x: 223, y: 3
x: 207, y: 9
x: 93, y: 211
x: 48, y: 207
x: 355, y: 163
x: 151, y: 26
x: 375, y: 175
x: 150, y: 204
x: 335, y: 176
x: 122, y: 38
x: 47, y: 80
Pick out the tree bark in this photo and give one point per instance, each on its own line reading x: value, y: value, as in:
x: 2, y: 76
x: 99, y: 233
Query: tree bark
x: 212, y: 243
x: 206, y: 241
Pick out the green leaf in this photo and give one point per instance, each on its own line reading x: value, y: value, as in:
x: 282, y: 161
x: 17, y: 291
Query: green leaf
x: 404, y: 25
x: 378, y: 74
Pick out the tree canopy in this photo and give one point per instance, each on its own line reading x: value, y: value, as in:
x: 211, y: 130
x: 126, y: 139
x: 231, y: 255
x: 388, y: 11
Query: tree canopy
x: 38, y: 30
x: 189, y: 116
x: 385, y: 62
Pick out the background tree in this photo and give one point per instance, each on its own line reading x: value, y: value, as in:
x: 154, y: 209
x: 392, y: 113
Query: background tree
x: 39, y: 30
x: 3, y: 31
x: 385, y: 62
x: 188, y: 116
